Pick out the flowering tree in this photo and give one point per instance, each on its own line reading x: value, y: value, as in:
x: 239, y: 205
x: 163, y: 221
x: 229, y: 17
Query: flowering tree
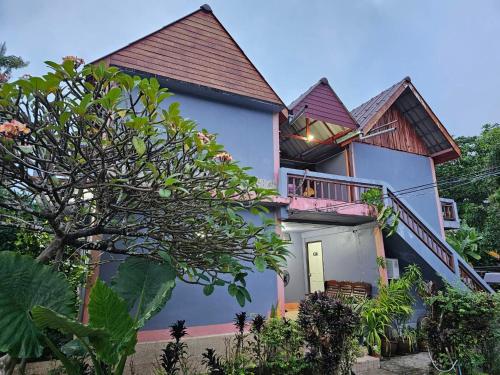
x: 95, y: 159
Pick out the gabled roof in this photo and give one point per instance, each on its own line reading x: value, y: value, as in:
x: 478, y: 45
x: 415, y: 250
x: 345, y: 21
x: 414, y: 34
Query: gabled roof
x: 321, y: 103
x: 366, y: 112
x: 405, y: 97
x: 196, y: 49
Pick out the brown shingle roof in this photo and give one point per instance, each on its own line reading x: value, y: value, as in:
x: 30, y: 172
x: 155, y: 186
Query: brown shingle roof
x: 365, y: 112
x: 405, y: 97
x: 196, y: 49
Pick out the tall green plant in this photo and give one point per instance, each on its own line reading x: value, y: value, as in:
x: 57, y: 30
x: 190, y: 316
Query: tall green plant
x: 393, y: 304
x: 35, y: 298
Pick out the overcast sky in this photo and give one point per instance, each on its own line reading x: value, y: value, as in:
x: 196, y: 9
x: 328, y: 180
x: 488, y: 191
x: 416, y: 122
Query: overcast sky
x: 450, y: 48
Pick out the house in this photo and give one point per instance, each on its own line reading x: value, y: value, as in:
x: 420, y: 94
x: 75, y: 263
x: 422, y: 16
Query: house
x: 321, y: 157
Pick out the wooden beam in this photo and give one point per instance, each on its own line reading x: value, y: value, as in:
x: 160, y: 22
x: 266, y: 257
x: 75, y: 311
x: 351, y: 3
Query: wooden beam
x: 441, y: 152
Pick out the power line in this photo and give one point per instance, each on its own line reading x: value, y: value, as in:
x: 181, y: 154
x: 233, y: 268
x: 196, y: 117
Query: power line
x: 459, y: 182
x: 466, y: 179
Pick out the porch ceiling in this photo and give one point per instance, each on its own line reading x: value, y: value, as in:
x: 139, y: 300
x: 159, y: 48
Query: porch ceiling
x: 329, y: 217
x: 299, y: 143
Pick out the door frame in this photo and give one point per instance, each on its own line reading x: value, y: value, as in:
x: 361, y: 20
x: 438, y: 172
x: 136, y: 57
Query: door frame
x: 307, y: 263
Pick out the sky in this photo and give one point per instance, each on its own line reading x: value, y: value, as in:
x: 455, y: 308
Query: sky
x: 450, y: 48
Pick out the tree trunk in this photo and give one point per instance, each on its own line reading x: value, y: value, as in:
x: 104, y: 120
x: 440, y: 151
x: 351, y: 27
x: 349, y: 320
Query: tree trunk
x: 51, y: 250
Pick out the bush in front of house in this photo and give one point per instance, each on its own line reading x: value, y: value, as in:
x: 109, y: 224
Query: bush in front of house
x: 329, y: 326
x: 463, y: 330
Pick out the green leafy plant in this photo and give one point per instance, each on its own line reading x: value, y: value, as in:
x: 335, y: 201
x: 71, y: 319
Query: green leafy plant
x: 25, y: 284
x: 393, y: 305
x: 466, y: 242
x: 8, y: 63
x: 387, y: 217
x: 329, y: 327
x: 458, y: 327
x: 130, y: 176
x: 283, y: 342
x: 34, y: 298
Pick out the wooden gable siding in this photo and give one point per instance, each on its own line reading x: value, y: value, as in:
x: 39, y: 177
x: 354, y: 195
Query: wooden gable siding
x: 404, y: 138
x: 324, y: 105
x: 196, y: 49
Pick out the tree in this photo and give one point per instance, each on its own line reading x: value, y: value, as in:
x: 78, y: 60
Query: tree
x: 477, y: 202
x: 94, y: 158
x: 9, y: 63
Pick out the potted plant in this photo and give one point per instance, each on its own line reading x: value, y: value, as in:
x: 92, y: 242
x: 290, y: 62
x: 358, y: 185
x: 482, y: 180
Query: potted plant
x: 407, y: 342
x: 390, y: 342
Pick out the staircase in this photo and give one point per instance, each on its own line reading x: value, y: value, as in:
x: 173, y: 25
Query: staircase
x: 443, y: 252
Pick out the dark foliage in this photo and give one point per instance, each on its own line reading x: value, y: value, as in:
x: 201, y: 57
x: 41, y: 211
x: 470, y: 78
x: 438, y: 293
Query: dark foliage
x: 175, y: 351
x: 329, y: 327
x: 213, y: 362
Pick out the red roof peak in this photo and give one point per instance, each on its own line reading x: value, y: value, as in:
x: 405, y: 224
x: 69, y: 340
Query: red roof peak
x: 320, y: 102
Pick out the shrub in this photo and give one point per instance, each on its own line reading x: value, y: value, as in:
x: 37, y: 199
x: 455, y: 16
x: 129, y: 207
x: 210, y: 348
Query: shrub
x: 329, y: 327
x: 283, y: 343
x: 459, y: 327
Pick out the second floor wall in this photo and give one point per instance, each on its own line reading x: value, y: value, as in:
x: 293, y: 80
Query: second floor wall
x: 401, y: 170
x: 245, y: 132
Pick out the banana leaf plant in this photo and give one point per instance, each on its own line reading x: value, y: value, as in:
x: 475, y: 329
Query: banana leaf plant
x: 34, y: 297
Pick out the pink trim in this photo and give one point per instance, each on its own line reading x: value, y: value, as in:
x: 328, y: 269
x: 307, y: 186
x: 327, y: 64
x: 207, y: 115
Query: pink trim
x: 197, y: 331
x: 279, y: 281
x: 276, y: 147
x: 308, y: 204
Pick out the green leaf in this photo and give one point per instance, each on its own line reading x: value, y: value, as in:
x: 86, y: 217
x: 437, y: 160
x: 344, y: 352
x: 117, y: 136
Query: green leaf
x: 24, y: 284
x: 108, y: 311
x: 208, y: 289
x: 260, y: 264
x: 139, y: 145
x: 240, y: 297
x: 165, y: 193
x: 48, y: 318
x: 145, y: 285
x: 232, y: 289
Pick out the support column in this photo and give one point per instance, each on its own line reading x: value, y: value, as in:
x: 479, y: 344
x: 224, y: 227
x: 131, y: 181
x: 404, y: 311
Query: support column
x: 379, y: 245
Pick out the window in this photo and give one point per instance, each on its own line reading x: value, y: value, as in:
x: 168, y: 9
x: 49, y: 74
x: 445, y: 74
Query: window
x: 448, y: 211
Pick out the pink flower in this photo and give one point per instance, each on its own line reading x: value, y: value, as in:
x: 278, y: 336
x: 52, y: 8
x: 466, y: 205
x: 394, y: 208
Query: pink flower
x: 14, y: 128
x: 223, y: 157
x: 76, y: 60
x: 203, y: 138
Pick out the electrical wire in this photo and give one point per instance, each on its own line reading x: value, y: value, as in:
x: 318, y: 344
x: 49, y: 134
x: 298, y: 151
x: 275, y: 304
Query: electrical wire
x: 466, y: 179
x: 458, y: 182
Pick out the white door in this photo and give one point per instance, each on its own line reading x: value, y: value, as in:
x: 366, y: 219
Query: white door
x: 315, y: 262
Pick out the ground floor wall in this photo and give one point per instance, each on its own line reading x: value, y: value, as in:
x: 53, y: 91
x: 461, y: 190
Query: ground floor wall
x: 206, y: 315
x: 349, y: 254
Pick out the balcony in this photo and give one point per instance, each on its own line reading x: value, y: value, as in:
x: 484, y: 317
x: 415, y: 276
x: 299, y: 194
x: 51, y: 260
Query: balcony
x: 450, y: 214
x: 315, y: 196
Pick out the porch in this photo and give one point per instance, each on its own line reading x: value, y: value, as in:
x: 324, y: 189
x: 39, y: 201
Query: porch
x: 339, y: 258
